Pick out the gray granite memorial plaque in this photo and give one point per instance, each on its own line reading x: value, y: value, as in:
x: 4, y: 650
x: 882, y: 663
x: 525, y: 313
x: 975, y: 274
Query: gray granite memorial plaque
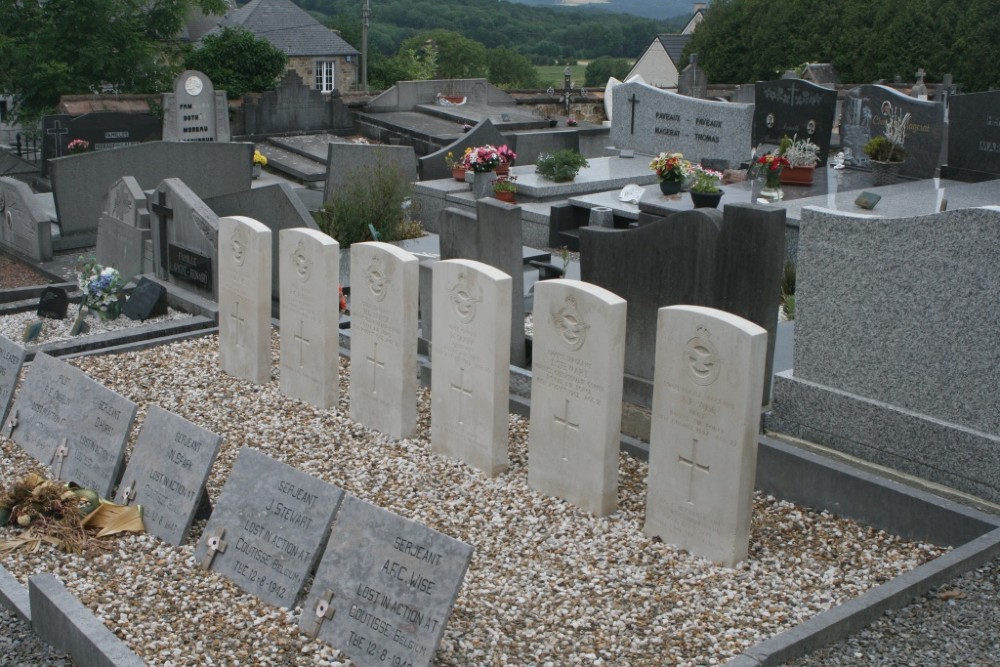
x: 72, y: 424
x: 385, y: 587
x: 11, y: 360
x: 167, y: 471
x: 268, y: 527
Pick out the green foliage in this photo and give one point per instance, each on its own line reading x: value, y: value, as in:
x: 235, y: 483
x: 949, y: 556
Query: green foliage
x: 65, y: 47
x: 383, y: 72
x: 456, y: 57
x: 561, y: 166
x: 509, y: 69
x: 377, y: 195
x: 788, y: 290
x: 881, y: 149
x: 238, y: 62
x: 600, y: 70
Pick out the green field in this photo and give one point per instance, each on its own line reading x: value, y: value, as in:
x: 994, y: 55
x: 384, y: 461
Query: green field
x: 552, y: 75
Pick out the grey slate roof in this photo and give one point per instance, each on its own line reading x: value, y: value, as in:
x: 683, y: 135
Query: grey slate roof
x: 674, y: 45
x: 289, y: 28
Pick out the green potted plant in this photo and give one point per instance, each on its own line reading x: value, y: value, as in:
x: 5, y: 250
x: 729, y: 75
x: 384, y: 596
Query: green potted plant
x: 803, y: 156
x: 504, y: 188
x: 705, y: 190
x: 672, y: 170
x: 561, y: 166
x: 886, y: 151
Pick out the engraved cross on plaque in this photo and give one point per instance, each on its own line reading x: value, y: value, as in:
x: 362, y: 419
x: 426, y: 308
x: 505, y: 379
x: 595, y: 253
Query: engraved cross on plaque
x: 57, y: 131
x: 376, y: 364
x: 633, y: 101
x: 238, y: 323
x: 323, y: 611
x: 462, y: 391
x: 300, y: 336
x: 566, y: 425
x: 215, y: 544
x: 693, y: 465
x: 59, y: 456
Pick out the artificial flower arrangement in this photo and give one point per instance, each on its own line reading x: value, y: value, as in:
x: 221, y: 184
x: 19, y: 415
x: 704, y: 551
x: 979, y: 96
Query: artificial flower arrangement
x: 571, y: 121
x: 102, y: 289
x: 259, y: 158
x: 481, y: 159
x: 78, y: 146
x: 771, y: 162
x: 706, y: 180
x: 507, y: 156
x: 802, y: 153
x: 671, y: 167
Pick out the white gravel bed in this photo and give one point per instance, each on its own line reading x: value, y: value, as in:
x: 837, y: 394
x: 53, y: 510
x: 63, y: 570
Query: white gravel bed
x: 548, y: 584
x: 54, y: 331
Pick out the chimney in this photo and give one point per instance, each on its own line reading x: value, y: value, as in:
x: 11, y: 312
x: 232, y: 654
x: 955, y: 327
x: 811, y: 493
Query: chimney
x: 699, y: 6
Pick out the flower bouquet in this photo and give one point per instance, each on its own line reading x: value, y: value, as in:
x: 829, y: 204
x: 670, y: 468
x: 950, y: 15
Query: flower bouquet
x: 672, y: 170
x: 771, y: 164
x: 507, y: 157
x: 481, y: 159
x: 78, y: 146
x: 705, y: 190
x: 102, y: 289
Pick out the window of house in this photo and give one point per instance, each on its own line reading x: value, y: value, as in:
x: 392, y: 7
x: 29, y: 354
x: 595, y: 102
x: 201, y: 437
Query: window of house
x: 324, y: 76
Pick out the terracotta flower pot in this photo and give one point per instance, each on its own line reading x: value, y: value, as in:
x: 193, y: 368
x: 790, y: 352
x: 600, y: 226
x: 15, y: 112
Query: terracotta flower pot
x: 458, y: 173
x: 504, y: 196
x: 797, y: 175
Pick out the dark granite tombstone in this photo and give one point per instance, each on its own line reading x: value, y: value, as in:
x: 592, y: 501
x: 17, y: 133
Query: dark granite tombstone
x: 794, y: 107
x: 731, y: 260
x: 147, y: 300
x: 103, y: 130
x: 864, y: 114
x: 973, y: 137
x: 53, y: 303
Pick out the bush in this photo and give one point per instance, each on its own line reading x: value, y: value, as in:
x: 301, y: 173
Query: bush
x: 561, y: 166
x: 377, y: 196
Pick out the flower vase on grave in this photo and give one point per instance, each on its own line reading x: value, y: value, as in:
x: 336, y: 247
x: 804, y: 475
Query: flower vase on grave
x: 482, y: 183
x: 458, y: 173
x: 670, y: 187
x: 503, y: 169
x: 706, y: 199
x: 772, y: 184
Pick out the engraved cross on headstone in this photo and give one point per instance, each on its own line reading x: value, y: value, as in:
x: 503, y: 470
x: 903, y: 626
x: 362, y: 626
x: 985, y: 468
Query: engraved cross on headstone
x: 300, y: 336
x: 59, y: 456
x: 323, y: 611
x: 633, y: 101
x: 376, y: 364
x: 462, y: 391
x: 566, y: 425
x: 693, y: 465
x: 215, y: 544
x: 239, y: 322
x: 57, y: 131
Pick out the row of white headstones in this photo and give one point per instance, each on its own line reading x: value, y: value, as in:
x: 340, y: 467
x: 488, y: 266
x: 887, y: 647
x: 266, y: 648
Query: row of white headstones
x: 708, y: 377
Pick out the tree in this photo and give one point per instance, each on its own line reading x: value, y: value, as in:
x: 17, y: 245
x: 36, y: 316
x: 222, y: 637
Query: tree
x: 457, y: 57
x: 601, y: 69
x: 238, y: 62
x: 509, y: 69
x: 50, y: 48
x: 383, y: 73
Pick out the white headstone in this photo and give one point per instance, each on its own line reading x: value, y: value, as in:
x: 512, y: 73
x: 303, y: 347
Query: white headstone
x: 576, y: 393
x: 384, y: 297
x: 471, y: 372
x: 245, y: 299
x: 310, y: 314
x: 703, y: 445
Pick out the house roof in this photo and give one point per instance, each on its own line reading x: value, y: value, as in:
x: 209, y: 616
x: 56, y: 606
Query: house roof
x: 674, y: 45
x: 289, y: 28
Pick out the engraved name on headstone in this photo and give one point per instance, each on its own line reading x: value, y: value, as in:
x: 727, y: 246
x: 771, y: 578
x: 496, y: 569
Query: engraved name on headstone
x: 268, y: 527
x: 385, y: 587
x: 167, y: 471
x: 72, y: 424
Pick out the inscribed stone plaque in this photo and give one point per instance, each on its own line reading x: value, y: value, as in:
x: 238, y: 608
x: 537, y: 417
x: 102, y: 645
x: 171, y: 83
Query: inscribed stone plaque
x: 470, y: 382
x: 794, y: 107
x: 185, y: 238
x: 268, y: 527
x: 24, y: 227
x: 72, y: 424
x: 310, y: 313
x: 126, y: 202
x: 703, y: 443
x: 11, y: 360
x: 384, y: 338
x: 650, y: 120
x: 245, y: 299
x: 576, y: 393
x: 974, y: 134
x: 148, y: 299
x: 195, y: 111
x: 167, y: 471
x: 385, y: 587
x: 864, y: 113
x: 120, y: 245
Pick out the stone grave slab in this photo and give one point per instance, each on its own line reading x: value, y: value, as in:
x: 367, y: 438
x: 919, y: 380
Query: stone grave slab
x: 791, y: 107
x: 470, y: 382
x: 71, y: 424
x: 433, y: 167
x: 385, y: 587
x: 126, y: 202
x: 11, y: 359
x: 310, y: 313
x: 384, y: 338
x: 185, y: 239
x: 268, y: 527
x: 703, y: 443
x: 195, y: 111
x: 349, y: 162
x: 245, y: 299
x: 25, y: 228
x: 121, y: 246
x: 649, y: 120
x: 863, y: 115
x: 577, y: 370
x: 166, y: 473
x: 973, y: 137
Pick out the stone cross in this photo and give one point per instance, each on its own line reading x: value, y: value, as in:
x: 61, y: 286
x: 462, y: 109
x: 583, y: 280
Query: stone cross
x: 215, y: 545
x: 633, y: 101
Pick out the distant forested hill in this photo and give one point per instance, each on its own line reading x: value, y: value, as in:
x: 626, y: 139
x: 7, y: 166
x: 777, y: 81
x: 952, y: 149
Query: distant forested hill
x: 652, y: 9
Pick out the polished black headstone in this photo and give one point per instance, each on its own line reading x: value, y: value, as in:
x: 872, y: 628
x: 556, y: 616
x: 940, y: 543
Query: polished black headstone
x: 53, y: 303
x: 973, y: 137
x: 148, y: 299
x: 794, y: 107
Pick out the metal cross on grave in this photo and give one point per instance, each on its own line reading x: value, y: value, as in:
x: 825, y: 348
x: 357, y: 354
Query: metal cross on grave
x: 566, y: 425
x: 376, y: 364
x: 57, y: 132
x: 303, y: 341
x: 59, y: 457
x: 213, y: 545
x: 163, y: 213
x: 462, y: 391
x: 633, y: 101
x: 323, y: 611
x: 693, y: 465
